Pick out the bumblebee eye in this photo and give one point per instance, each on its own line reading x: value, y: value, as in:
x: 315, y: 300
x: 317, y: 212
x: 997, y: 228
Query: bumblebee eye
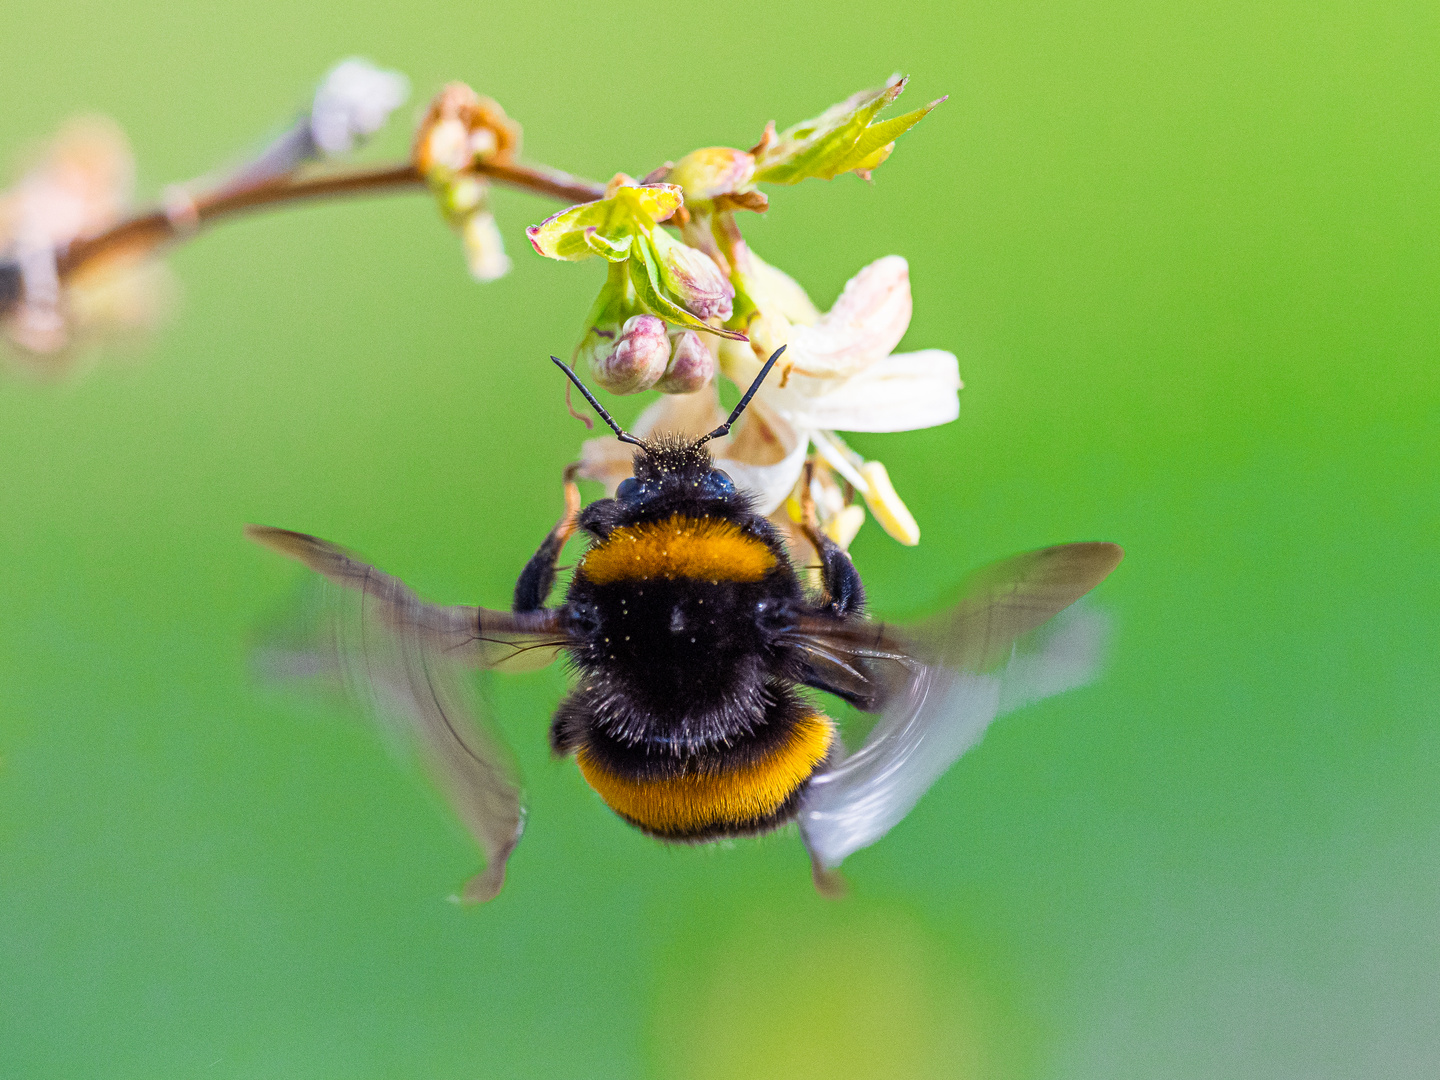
x: 772, y: 617
x: 628, y: 489
x: 584, y: 620
x: 718, y: 484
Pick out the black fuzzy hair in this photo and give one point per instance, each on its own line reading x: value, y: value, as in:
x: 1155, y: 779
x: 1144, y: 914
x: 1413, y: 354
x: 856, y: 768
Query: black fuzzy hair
x: 671, y: 455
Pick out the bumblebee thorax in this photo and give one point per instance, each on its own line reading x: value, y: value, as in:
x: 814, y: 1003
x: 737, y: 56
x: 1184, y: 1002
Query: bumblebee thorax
x: 679, y: 614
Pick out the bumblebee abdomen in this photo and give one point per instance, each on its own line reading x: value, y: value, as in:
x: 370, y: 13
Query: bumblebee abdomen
x: 734, y: 792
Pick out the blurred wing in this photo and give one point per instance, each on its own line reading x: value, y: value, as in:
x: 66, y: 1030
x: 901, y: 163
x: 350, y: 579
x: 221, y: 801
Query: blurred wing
x: 473, y: 636
x: 939, y: 684
x: 405, y: 659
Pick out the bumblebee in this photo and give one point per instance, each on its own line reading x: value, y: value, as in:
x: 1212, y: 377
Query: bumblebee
x: 695, y: 649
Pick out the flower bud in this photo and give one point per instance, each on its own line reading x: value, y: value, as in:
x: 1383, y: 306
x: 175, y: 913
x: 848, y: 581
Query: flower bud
x: 715, y: 170
x: 692, y: 278
x: 463, y: 196
x: 636, y: 361
x: 691, y: 366
x: 459, y: 127
x: 446, y: 146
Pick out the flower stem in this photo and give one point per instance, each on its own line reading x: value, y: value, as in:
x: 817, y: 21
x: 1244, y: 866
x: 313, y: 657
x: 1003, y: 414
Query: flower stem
x: 148, y: 231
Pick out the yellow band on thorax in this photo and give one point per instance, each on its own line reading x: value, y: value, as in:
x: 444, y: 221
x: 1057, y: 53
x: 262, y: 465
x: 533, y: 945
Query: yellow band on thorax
x: 696, y: 802
x: 711, y: 549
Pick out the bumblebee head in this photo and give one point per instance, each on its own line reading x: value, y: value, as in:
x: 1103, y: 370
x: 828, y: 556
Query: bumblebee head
x: 670, y: 467
x: 675, y: 467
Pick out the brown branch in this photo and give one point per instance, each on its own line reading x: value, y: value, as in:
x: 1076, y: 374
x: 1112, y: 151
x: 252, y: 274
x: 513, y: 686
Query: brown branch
x: 148, y: 231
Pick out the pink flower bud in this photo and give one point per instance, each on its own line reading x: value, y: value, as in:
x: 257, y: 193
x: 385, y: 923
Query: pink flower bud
x: 638, y: 358
x: 692, y: 278
x: 692, y: 365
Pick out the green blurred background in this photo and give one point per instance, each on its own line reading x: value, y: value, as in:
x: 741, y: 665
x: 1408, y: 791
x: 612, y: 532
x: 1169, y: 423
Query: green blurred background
x: 1187, y: 255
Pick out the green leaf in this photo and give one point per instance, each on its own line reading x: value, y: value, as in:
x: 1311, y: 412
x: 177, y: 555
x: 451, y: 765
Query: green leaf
x: 614, y: 250
x: 605, y: 227
x: 878, y: 136
x: 564, y: 235
x: 841, y: 139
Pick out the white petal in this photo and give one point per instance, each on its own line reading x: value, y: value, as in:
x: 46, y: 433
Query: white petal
x: 900, y: 393
x: 765, y: 458
x: 606, y: 460
x: 845, y: 525
x: 777, y: 292
x: 887, y: 506
x: 688, y: 415
x: 768, y: 485
x: 865, y: 324
x: 354, y: 101
x: 840, y: 458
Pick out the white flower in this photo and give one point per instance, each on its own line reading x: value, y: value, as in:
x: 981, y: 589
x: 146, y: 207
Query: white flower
x: 839, y: 373
x: 79, y: 186
x: 352, y: 103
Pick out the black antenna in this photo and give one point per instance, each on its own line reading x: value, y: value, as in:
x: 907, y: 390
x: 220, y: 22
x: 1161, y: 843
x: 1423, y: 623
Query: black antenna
x: 724, y: 429
x: 623, y: 435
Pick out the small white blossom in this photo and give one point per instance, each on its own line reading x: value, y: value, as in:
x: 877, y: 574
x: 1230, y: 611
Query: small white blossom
x: 354, y: 101
x: 839, y: 373
x: 79, y: 187
x: 460, y: 128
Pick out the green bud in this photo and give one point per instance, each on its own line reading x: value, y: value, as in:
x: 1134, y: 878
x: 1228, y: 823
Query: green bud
x: 715, y: 170
x: 625, y: 347
x: 666, y: 278
x: 691, y: 278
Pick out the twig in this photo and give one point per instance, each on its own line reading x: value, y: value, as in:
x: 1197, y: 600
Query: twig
x: 157, y: 227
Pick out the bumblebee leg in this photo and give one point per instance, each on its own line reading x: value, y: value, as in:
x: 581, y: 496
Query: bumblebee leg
x: 844, y: 592
x: 538, y: 577
x: 829, y: 883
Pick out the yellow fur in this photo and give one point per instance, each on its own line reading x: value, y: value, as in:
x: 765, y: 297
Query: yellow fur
x: 700, y: 800
x: 679, y: 547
